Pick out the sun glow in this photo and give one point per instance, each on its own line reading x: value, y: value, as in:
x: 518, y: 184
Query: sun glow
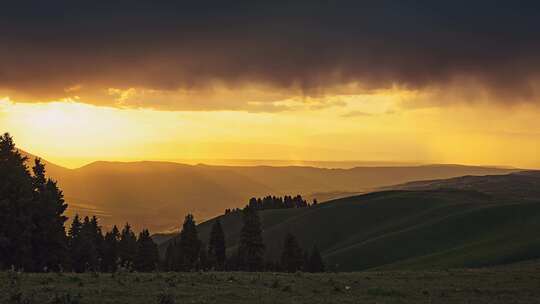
x: 375, y: 127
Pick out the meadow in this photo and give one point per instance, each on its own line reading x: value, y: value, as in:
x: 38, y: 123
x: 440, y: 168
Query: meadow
x: 507, y: 284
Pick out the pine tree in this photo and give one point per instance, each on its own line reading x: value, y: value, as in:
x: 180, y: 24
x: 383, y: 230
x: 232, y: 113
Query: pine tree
x: 316, y: 263
x: 49, y: 235
x: 251, y: 247
x: 16, y: 208
x: 110, y: 250
x: 203, y: 263
x: 75, y: 242
x: 32, y: 232
x: 49, y: 242
x: 190, y: 244
x: 127, y: 247
x: 90, y: 254
x: 173, y: 257
x: 98, y: 240
x: 292, y: 255
x: 233, y: 263
x: 147, y: 253
x: 305, y: 261
x: 216, y: 247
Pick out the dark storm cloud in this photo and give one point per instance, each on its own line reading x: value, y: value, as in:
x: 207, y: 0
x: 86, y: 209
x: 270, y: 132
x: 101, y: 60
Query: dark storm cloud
x: 48, y: 47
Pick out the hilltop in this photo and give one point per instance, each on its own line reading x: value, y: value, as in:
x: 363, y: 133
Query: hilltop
x: 521, y: 185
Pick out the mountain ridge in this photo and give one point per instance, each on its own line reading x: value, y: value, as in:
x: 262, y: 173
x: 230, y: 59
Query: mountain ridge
x: 157, y: 195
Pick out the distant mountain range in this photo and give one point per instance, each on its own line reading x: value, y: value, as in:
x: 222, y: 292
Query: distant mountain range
x: 157, y: 195
x: 471, y: 221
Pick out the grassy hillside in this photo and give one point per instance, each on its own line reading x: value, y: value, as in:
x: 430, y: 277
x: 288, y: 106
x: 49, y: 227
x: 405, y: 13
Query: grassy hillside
x: 485, y: 286
x: 401, y: 229
x: 157, y: 195
x: 522, y: 185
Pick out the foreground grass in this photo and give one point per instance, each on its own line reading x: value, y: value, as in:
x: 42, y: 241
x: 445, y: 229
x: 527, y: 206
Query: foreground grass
x: 502, y: 285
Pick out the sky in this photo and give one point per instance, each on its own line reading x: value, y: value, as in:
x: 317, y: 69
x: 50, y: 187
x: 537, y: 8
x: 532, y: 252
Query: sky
x: 421, y: 81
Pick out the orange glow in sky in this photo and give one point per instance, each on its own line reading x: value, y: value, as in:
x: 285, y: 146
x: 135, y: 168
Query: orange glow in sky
x: 371, y: 127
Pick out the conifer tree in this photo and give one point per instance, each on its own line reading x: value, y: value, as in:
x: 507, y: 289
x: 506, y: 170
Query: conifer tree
x: 190, y: 244
x: 127, y: 247
x: 251, y: 247
x: 292, y: 255
x: 32, y: 232
x: 16, y: 207
x: 90, y: 255
x: 173, y: 256
x: 53, y: 226
x: 231, y: 263
x: 110, y: 250
x: 75, y: 242
x: 49, y: 242
x: 216, y: 247
x: 305, y: 261
x: 316, y: 263
x: 147, y: 253
x: 98, y: 240
x: 203, y: 263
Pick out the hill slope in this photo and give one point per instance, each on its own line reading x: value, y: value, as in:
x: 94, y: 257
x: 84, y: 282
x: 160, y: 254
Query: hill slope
x: 157, y: 195
x: 523, y: 184
x: 407, y: 229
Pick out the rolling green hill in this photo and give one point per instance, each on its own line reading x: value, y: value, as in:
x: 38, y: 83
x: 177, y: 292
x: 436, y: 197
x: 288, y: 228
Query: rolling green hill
x: 522, y: 185
x: 403, y: 229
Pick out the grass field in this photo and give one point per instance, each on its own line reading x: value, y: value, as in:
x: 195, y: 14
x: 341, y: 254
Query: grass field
x: 515, y: 284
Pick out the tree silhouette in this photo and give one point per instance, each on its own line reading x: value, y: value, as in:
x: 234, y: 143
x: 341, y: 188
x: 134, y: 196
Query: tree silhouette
x: 75, y: 242
x: 127, y: 246
x: 90, y: 253
x: 173, y: 256
x: 16, y: 207
x: 110, y: 250
x: 32, y: 233
x: 292, y: 255
x: 98, y: 240
x: 147, y: 253
x: 203, y: 262
x: 273, y: 202
x: 216, y: 246
x: 49, y: 235
x: 251, y: 247
x: 190, y: 245
x: 305, y: 261
x: 316, y: 263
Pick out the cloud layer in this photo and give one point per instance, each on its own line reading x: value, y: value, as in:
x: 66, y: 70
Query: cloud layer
x: 218, y: 55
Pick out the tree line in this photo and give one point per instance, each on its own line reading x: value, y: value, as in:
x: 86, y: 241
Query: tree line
x: 91, y: 250
x: 33, y: 236
x: 273, y: 202
x: 187, y: 252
